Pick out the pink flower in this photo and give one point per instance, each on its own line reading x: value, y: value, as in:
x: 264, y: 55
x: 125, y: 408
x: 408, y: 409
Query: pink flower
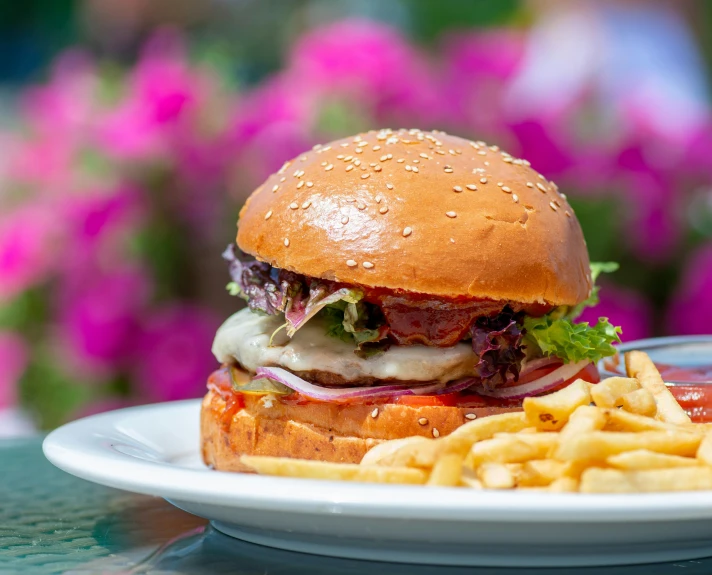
x: 368, y: 63
x: 690, y: 310
x: 28, y: 237
x: 99, y: 317
x: 67, y: 103
x: 14, y: 355
x: 623, y: 307
x: 478, y: 69
x: 173, y: 355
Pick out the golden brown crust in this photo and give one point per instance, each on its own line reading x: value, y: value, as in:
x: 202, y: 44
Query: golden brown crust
x: 321, y: 431
x: 406, y: 225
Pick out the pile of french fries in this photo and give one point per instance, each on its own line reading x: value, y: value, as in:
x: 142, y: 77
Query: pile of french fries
x: 622, y: 435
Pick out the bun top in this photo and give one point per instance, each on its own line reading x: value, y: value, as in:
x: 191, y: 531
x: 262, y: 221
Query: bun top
x: 422, y: 212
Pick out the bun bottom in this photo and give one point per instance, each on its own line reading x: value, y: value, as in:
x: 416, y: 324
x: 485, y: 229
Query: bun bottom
x: 319, y: 431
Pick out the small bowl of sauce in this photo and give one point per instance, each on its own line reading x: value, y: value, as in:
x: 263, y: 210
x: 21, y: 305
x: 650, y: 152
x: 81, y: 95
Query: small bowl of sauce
x: 685, y: 363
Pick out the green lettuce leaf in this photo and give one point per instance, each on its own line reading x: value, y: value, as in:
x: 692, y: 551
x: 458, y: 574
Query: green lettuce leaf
x: 597, y: 268
x: 571, y: 341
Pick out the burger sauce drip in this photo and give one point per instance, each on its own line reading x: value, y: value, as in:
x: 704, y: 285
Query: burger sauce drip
x: 418, y: 319
x: 219, y: 382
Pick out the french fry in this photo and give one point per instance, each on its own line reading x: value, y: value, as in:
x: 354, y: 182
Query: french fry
x: 385, y: 453
x: 620, y: 420
x: 541, y: 472
x: 646, y: 459
x: 640, y: 401
x: 704, y: 452
x: 510, y: 448
x: 564, y: 485
x: 495, y: 476
x: 304, y: 468
x: 609, y: 392
x: 595, y: 480
x: 461, y: 440
x: 447, y: 471
x: 640, y: 366
x: 585, y: 419
x: 551, y: 412
x: 599, y: 445
x: 469, y: 479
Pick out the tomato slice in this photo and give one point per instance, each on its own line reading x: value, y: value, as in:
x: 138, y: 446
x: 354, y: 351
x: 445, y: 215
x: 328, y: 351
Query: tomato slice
x: 444, y: 400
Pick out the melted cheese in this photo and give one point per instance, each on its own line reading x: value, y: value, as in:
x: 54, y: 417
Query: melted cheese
x: 245, y: 337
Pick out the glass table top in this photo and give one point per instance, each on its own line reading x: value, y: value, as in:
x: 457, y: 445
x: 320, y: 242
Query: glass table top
x: 51, y: 522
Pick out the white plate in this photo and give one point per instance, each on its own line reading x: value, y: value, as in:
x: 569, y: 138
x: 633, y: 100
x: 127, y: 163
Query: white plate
x: 154, y: 449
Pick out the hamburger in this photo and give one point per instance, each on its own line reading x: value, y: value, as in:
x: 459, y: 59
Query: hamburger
x: 397, y: 283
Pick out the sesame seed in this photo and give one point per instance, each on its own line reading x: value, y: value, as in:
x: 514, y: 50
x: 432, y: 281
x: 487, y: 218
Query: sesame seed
x: 390, y: 156
x: 348, y: 158
x: 483, y: 180
x: 377, y: 168
x: 310, y: 184
x: 400, y: 160
x: 416, y: 161
x: 471, y: 186
x: 324, y: 163
x: 553, y: 206
x: 329, y: 167
x: 360, y: 206
x: 527, y: 163
x: 424, y: 155
x: 494, y: 148
x: 294, y: 205
x: 563, y: 195
x: 275, y: 188
x: 408, y: 168
x: 349, y: 167
x: 530, y: 185
x: 506, y: 189
x: 457, y: 188
x: 299, y: 173
x: 340, y: 157
x: 423, y: 421
x: 507, y: 159
x: 306, y: 204
x: 440, y: 152
x: 374, y: 413
x: 379, y: 197
x: 541, y: 176
x: 481, y: 153
x: 351, y: 263
x: 357, y: 163
x: 452, y: 152
x: 282, y: 179
x: 384, y: 158
x: 383, y: 210
x: 358, y: 150
x: 568, y: 215
x: 448, y: 170
x: 407, y: 231
x: 500, y: 184
x: 345, y: 220
x: 515, y: 197
x: 470, y: 416
x: 364, y: 176
x: 286, y: 242
x: 541, y: 187
x: 303, y: 158
x: 367, y: 265
x: 376, y: 148
x: 268, y: 215
x: 451, y: 214
x: 389, y: 186
x: 415, y: 169
x: 436, y: 433
x: 344, y: 145
x: 300, y: 185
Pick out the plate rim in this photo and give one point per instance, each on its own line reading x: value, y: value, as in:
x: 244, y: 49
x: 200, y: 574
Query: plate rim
x: 81, y: 449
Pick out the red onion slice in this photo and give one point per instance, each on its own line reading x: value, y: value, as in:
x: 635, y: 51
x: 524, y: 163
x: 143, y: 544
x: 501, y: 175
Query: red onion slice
x: 341, y: 394
x: 538, y: 386
x: 538, y: 363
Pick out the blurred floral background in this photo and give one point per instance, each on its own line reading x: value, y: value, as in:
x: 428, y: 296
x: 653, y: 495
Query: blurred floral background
x: 131, y: 131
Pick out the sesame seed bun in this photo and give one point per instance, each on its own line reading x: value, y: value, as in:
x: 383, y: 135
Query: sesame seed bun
x: 320, y: 431
x: 423, y: 212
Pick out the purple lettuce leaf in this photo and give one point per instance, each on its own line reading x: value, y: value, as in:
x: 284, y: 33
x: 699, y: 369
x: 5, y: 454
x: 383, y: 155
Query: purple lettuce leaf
x: 497, y: 341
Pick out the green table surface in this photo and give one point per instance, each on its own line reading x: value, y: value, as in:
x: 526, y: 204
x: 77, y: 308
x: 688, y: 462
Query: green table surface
x: 52, y: 522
